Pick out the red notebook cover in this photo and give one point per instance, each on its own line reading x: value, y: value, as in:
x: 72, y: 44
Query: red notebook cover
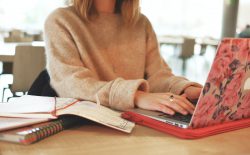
x: 186, y: 133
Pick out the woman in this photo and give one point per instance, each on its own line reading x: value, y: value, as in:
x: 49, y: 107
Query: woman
x: 107, y: 48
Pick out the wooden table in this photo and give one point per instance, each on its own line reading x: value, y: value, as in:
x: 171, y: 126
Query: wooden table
x: 93, y: 139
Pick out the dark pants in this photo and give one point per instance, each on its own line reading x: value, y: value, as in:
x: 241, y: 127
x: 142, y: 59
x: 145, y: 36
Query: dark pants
x: 41, y: 86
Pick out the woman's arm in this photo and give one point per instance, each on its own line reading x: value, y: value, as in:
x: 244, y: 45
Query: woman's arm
x: 158, y: 73
x: 71, y: 78
x: 163, y: 84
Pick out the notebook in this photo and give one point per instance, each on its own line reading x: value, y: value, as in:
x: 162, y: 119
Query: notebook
x: 34, y: 133
x: 29, y: 106
x: 226, y: 94
x: 7, y: 123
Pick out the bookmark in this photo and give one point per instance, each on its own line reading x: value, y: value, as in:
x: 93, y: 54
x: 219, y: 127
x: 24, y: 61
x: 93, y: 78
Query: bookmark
x: 54, y: 111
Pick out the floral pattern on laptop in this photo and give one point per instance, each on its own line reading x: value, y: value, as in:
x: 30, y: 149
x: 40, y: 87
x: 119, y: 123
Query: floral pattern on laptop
x: 226, y: 94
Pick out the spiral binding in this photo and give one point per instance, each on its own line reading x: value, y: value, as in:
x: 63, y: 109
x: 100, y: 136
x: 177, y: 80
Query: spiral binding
x: 39, y: 133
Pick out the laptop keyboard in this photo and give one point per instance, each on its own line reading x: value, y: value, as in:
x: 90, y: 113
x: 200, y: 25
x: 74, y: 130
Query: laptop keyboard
x: 184, y: 118
x: 178, y: 116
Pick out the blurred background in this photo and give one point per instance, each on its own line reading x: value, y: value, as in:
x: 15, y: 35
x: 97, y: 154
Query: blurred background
x: 188, y: 32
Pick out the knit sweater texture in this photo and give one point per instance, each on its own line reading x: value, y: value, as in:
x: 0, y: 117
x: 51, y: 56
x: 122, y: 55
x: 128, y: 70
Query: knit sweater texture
x: 104, y: 57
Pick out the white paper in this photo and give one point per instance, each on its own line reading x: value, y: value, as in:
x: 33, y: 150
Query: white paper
x: 64, y: 102
x: 29, y: 104
x: 10, y: 123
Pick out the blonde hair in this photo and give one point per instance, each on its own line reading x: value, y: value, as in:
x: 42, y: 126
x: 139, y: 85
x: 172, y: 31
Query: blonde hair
x: 129, y: 9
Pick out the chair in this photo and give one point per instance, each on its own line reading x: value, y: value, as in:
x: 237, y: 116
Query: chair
x: 29, y: 61
x: 187, y: 51
x: 6, y: 70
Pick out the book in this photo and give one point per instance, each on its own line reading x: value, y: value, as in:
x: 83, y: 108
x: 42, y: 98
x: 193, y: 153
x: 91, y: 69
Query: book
x: 29, y: 106
x: 34, y: 133
x: 7, y: 123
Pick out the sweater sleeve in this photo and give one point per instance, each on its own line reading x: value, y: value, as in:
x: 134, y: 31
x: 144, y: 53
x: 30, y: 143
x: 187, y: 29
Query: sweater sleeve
x: 69, y: 76
x: 158, y: 73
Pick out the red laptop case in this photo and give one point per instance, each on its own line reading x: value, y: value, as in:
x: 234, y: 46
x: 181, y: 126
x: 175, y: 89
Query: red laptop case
x: 225, y: 96
x: 186, y: 133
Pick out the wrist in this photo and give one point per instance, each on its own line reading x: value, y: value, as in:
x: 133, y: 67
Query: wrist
x: 137, y: 97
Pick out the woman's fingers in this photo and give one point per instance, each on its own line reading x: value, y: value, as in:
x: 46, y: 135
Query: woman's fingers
x: 193, y: 92
x: 185, y: 104
x: 164, y: 102
x: 162, y: 108
x: 177, y: 103
x: 149, y: 101
x: 157, y: 106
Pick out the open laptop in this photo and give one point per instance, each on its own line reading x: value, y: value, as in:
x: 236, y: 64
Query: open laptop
x: 226, y: 94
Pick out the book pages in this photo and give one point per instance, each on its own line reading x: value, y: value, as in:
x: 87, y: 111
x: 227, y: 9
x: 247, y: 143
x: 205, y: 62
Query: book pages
x: 51, y: 107
x: 9, y: 123
x: 28, y: 104
x: 99, y: 114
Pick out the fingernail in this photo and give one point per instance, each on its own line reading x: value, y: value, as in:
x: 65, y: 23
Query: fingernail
x: 171, y: 112
x: 184, y: 112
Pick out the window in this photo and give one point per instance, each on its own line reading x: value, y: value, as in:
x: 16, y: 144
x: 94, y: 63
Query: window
x: 181, y: 17
x: 27, y: 15
x: 243, y: 15
x: 194, y: 18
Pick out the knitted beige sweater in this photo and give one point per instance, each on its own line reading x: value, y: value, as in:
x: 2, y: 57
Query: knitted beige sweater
x: 104, y: 57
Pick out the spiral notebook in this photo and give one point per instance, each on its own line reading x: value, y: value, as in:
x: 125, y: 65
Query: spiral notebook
x: 34, y: 133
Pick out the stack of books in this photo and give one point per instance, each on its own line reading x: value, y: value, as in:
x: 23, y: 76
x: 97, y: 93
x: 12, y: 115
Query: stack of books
x: 28, y: 119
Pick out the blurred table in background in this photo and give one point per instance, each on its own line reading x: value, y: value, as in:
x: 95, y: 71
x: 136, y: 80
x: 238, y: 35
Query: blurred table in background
x: 205, y: 42
x: 179, y: 41
x: 185, y: 47
x: 175, y: 41
x: 7, y: 52
x: 170, y: 40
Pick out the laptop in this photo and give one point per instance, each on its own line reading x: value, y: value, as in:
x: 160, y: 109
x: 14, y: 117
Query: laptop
x: 225, y: 96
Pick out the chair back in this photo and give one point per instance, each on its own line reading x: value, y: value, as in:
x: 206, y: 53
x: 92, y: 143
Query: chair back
x: 187, y: 48
x: 29, y: 61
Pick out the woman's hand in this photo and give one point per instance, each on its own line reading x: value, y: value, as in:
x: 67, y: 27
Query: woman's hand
x: 164, y: 102
x: 192, y: 92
